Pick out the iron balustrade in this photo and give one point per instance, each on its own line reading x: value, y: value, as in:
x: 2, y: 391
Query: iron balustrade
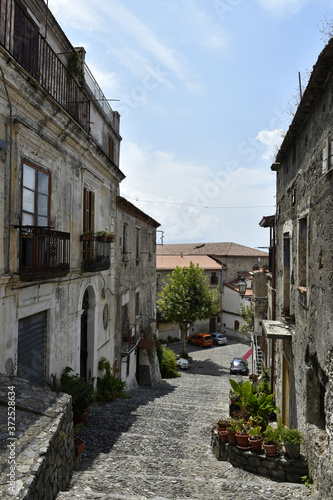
x: 96, y: 254
x: 20, y: 36
x: 44, y: 253
x: 130, y: 338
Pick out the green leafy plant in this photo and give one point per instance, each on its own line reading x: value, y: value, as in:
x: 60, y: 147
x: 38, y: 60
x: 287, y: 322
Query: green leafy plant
x: 292, y: 436
x: 233, y: 425
x: 306, y: 480
x: 109, y: 387
x: 168, y: 364
x: 82, y: 392
x: 273, y: 435
x: 255, y: 432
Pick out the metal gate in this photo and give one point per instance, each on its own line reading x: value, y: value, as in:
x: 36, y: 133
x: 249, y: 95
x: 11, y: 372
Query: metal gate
x: 31, y: 348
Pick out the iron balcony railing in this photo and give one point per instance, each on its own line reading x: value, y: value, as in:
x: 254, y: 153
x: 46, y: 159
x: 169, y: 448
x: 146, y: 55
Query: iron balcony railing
x: 44, y: 253
x: 96, y: 254
x: 130, y: 338
x: 20, y: 36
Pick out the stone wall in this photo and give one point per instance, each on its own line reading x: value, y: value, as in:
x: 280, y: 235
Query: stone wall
x: 36, y: 440
x: 279, y: 468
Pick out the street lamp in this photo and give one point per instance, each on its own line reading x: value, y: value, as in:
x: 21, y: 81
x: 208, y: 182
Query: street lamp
x: 242, y: 286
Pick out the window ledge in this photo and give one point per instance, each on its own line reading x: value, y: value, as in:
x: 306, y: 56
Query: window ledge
x: 301, y: 289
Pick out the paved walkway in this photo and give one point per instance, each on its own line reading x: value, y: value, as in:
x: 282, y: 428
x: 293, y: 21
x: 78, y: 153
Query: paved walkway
x: 156, y: 445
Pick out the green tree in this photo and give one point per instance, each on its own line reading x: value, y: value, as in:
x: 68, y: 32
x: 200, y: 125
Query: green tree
x: 246, y: 314
x: 186, y: 298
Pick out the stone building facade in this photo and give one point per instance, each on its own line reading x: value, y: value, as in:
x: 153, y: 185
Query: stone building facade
x: 135, y: 286
x: 302, y: 333
x: 59, y: 182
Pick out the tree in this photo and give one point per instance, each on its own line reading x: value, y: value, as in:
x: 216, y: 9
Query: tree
x: 186, y: 298
x: 246, y: 327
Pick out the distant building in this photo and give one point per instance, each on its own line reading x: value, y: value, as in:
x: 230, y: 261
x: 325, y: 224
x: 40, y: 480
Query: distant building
x: 165, y: 264
x: 234, y: 258
x: 225, y: 264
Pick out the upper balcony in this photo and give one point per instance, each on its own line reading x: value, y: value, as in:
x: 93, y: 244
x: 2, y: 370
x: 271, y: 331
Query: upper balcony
x: 20, y: 36
x: 44, y: 253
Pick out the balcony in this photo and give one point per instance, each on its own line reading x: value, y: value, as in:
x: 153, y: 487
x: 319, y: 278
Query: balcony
x: 96, y: 253
x: 44, y: 253
x: 20, y: 36
x: 130, y: 338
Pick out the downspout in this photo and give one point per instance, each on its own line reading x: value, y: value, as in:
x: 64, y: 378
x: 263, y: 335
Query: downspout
x: 10, y: 171
x: 273, y: 303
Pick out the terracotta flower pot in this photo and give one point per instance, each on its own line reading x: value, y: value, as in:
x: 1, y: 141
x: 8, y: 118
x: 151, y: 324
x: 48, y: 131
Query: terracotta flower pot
x: 242, y: 440
x: 231, y: 437
x: 223, y: 435
x: 271, y: 449
x: 256, y: 444
x: 79, y: 445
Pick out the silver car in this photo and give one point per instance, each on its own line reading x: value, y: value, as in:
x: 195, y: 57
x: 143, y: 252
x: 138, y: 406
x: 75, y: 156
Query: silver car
x: 219, y: 338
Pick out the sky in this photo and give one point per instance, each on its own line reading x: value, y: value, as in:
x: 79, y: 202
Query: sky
x: 206, y: 90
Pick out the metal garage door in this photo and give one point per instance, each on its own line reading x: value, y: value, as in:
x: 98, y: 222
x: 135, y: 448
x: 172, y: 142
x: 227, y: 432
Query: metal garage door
x: 31, y: 348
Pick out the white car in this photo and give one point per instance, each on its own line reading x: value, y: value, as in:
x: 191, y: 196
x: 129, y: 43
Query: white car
x: 183, y: 363
x: 219, y: 338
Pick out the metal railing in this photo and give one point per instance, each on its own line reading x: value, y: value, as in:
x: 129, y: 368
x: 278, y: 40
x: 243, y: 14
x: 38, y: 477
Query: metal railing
x: 96, y: 254
x: 130, y: 337
x: 43, y: 252
x: 21, y: 38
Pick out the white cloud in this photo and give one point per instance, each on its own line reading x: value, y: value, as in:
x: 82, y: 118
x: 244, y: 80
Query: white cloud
x: 283, y: 8
x: 187, y: 198
x: 272, y: 139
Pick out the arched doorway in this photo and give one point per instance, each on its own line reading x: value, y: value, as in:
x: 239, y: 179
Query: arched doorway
x: 87, y: 334
x: 84, y: 336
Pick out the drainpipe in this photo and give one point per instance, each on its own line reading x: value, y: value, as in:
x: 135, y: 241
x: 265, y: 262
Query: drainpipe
x: 10, y: 171
x: 273, y: 303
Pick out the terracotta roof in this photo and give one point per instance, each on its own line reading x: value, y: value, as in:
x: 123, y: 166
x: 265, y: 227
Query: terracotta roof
x: 169, y: 262
x: 217, y: 249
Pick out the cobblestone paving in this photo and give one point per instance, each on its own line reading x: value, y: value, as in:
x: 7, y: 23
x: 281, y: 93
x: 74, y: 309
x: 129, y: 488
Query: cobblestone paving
x: 156, y: 445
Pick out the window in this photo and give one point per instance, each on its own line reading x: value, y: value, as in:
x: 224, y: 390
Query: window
x: 302, y: 252
x: 214, y: 279
x: 137, y: 245
x: 125, y: 238
x: 286, y: 274
x: 137, y: 305
x: 35, y: 196
x: 88, y: 210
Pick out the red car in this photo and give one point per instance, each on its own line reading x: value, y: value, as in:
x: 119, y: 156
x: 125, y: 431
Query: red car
x: 201, y: 339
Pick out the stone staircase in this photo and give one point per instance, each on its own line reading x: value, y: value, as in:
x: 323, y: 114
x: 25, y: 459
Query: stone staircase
x: 157, y: 445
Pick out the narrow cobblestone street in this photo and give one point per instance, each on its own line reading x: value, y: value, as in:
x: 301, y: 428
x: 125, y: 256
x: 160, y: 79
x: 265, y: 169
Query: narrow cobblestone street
x: 156, y: 445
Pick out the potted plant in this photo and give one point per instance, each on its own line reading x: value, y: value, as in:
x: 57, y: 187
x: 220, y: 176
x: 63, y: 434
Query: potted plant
x: 272, y: 439
x: 222, y: 423
x: 82, y: 392
x: 109, y: 386
x: 79, y: 443
x: 110, y: 237
x: 88, y: 236
x: 101, y: 235
x: 231, y: 430
x: 292, y: 440
x: 242, y: 434
x: 255, y: 438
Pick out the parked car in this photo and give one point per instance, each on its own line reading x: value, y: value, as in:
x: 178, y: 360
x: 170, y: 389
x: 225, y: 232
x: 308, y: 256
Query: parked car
x: 183, y: 363
x: 239, y: 366
x: 201, y: 339
x: 219, y: 338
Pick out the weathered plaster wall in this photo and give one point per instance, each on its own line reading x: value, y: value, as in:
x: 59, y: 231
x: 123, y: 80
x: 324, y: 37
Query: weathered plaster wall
x: 305, y: 190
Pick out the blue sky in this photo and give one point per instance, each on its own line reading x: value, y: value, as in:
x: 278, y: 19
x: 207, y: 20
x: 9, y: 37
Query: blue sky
x: 205, y: 89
